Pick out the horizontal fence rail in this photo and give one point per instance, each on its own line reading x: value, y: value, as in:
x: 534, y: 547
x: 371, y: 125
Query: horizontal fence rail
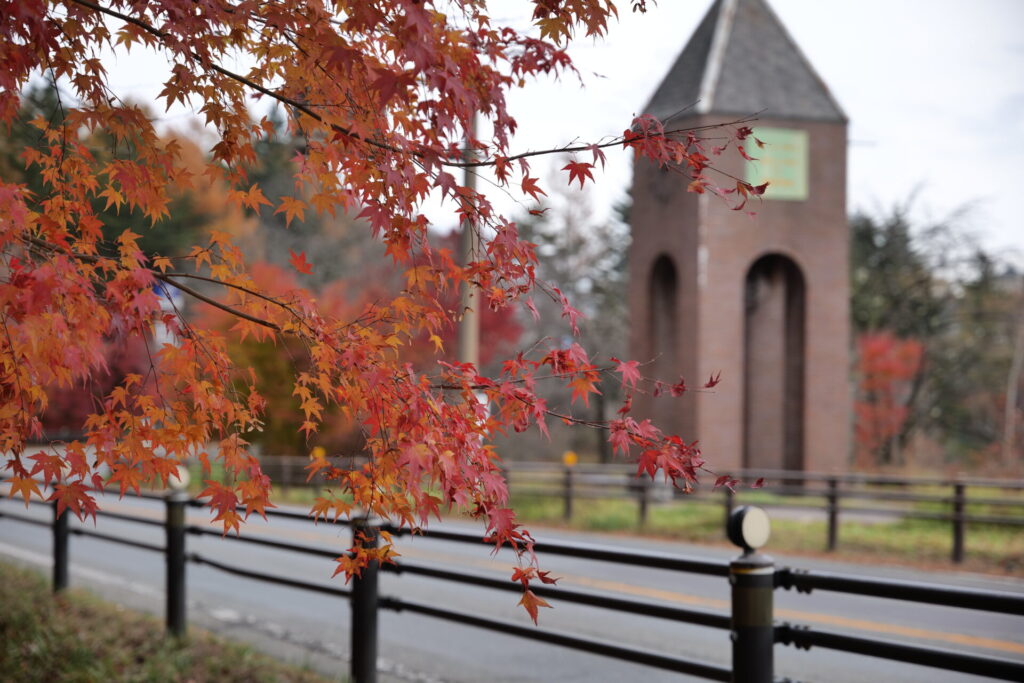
x: 269, y: 578
x: 689, y: 616
x: 830, y: 493
x: 836, y: 495
x: 592, y: 645
x: 805, y: 581
x: 752, y: 661
x: 807, y: 637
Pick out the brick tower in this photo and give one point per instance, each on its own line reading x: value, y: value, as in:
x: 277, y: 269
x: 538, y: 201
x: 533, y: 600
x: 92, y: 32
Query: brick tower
x: 763, y: 299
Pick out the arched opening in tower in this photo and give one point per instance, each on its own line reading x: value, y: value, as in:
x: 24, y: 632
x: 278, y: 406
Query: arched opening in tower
x: 774, y: 359
x: 664, y: 333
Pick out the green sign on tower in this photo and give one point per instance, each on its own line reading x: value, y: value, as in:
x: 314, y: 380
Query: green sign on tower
x: 782, y: 163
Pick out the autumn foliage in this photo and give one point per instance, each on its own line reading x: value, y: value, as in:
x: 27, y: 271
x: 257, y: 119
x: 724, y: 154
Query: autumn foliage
x: 381, y: 94
x: 886, y: 368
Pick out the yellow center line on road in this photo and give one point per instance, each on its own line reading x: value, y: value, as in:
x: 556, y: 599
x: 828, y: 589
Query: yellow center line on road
x: 696, y: 600
x: 641, y: 591
x: 815, y: 617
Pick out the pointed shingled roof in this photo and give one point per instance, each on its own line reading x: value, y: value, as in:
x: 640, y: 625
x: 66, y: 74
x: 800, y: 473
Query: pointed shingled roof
x: 741, y: 61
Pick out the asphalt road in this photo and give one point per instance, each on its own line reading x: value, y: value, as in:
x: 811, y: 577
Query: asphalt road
x: 313, y: 628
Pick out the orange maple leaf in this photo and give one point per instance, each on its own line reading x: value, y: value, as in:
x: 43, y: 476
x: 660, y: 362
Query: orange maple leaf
x: 531, y: 602
x: 24, y: 486
x: 291, y: 207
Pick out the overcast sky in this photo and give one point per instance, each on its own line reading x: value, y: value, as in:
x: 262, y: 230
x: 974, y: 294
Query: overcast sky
x: 934, y: 90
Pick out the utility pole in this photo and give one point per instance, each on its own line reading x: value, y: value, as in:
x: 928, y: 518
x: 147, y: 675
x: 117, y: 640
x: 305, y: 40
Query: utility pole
x: 469, y: 327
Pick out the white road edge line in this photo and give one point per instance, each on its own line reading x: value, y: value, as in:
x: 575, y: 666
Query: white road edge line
x: 84, y: 572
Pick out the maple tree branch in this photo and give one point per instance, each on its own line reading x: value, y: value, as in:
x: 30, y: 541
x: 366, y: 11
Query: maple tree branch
x: 190, y: 333
x: 213, y: 302
x: 234, y: 286
x: 606, y: 426
x: 153, y: 372
x: 90, y: 258
x: 617, y: 141
x: 304, y: 108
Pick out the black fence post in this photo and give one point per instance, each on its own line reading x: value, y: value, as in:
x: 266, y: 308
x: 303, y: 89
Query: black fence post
x: 286, y: 473
x: 364, y: 606
x: 60, y: 548
x: 832, y: 498
x: 567, y: 495
x: 643, y: 494
x: 174, y: 523
x: 752, y: 582
x: 730, y: 501
x: 959, y: 500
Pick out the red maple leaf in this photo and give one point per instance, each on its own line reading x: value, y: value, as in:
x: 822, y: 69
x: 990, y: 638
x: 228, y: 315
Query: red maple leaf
x: 713, y: 380
x: 726, y: 481
x: 619, y: 437
x: 73, y: 497
x: 531, y: 188
x: 49, y: 465
x: 629, y: 371
x: 300, y: 263
x: 578, y: 170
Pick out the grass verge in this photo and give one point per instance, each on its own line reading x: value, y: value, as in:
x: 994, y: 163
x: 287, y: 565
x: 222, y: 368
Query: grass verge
x: 77, y: 637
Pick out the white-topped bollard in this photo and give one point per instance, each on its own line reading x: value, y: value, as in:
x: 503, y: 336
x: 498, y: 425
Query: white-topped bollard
x: 752, y: 578
x: 177, y: 499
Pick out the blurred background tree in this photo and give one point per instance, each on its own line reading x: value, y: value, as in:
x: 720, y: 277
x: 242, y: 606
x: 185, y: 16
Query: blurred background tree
x: 936, y: 287
x: 192, y: 213
x: 585, y: 257
x: 350, y: 275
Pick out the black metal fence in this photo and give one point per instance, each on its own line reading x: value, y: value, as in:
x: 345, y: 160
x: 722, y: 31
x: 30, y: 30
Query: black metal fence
x: 753, y: 578
x: 838, y: 496
x: 835, y: 495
